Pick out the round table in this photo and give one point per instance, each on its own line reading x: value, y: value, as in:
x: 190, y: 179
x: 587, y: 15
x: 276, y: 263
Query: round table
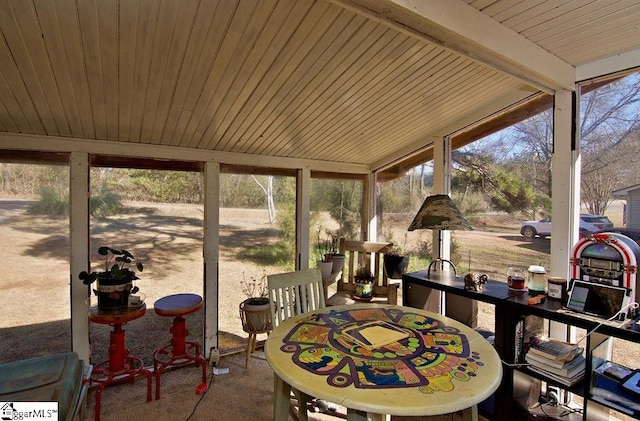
x: 440, y: 367
x: 121, y: 367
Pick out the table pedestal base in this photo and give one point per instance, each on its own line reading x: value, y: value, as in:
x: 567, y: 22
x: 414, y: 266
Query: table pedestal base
x: 179, y: 353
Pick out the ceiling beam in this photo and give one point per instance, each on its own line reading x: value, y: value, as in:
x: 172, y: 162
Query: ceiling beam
x: 110, y: 150
x: 455, y: 25
x: 618, y: 63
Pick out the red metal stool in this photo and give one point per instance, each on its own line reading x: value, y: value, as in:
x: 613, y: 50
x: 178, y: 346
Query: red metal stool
x: 120, y: 367
x: 179, y: 352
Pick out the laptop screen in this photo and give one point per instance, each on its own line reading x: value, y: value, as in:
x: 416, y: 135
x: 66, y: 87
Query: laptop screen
x: 597, y: 299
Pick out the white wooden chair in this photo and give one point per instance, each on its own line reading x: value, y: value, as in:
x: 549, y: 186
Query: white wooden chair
x: 294, y: 293
x: 290, y: 294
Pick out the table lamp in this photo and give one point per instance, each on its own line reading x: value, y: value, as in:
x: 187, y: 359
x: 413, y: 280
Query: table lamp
x: 438, y: 212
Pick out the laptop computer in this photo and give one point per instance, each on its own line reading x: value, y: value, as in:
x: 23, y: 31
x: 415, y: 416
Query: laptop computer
x: 600, y: 300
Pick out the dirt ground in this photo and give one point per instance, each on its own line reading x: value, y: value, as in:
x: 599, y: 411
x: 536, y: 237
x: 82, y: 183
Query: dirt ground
x: 168, y: 239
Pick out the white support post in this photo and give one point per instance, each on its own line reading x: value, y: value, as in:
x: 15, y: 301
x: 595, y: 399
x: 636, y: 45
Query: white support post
x: 79, y: 193
x: 211, y: 249
x: 565, y: 201
x: 442, y: 185
x: 370, y: 204
x: 303, y: 210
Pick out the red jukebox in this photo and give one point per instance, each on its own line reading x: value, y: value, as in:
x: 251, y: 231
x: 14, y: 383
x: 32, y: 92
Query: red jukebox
x: 607, y: 258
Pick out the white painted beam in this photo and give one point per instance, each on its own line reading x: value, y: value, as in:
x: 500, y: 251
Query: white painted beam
x: 459, y: 27
x: 609, y: 65
x: 143, y: 150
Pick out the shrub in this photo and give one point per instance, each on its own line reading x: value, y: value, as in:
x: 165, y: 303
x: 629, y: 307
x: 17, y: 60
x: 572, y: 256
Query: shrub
x: 105, y: 204
x: 51, y: 203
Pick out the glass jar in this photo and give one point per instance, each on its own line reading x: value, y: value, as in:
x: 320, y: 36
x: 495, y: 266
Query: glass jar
x: 537, y: 280
x: 516, y: 279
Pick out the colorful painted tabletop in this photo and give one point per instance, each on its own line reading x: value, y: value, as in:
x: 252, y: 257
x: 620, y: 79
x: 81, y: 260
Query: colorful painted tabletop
x: 436, y: 365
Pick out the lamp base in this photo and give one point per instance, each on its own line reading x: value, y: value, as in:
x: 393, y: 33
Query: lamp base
x: 441, y: 262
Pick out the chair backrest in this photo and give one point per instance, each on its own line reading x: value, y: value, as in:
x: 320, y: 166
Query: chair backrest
x: 368, y: 254
x: 294, y: 293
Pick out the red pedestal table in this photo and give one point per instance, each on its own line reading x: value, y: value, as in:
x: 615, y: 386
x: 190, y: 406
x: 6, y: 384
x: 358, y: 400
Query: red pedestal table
x: 120, y: 367
x: 179, y: 352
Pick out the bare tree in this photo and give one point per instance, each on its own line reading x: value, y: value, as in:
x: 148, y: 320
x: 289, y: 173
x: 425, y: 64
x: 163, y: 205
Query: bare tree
x: 267, y: 188
x: 609, y: 141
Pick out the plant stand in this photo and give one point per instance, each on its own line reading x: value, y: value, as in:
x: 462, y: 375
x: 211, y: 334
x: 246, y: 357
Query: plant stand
x: 256, y: 319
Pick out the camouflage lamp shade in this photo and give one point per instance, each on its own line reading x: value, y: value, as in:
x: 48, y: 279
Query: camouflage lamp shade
x: 438, y: 212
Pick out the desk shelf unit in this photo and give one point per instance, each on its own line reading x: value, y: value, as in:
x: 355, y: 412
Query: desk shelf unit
x: 511, y: 307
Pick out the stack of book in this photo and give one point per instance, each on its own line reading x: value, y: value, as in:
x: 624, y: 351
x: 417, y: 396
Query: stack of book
x: 559, y: 361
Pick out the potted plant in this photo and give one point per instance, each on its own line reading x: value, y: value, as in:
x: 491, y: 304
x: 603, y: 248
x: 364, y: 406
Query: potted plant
x: 396, y: 262
x: 324, y: 259
x: 114, y: 285
x: 363, y: 278
x: 254, y: 310
x: 330, y: 253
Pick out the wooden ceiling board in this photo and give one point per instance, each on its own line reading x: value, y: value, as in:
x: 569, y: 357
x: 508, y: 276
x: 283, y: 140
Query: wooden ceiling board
x: 180, y: 21
x: 537, y: 12
x: 335, y: 93
x: 503, y: 9
x: 108, y: 13
x: 246, y: 126
x: 566, y: 19
x: 211, y: 25
x: 480, y: 4
x: 584, y: 23
x: 234, y: 45
x: 68, y: 114
x: 141, y: 24
x: 30, y: 70
x: 164, y: 58
x: 90, y: 29
x: 390, y: 80
x: 393, y: 124
x: 620, y: 30
x: 316, y: 69
x: 234, y: 75
x: 129, y: 64
x: 13, y: 116
x: 338, y: 97
x: 320, y: 77
x: 274, y: 37
x: 287, y: 71
x: 396, y: 120
x: 414, y: 128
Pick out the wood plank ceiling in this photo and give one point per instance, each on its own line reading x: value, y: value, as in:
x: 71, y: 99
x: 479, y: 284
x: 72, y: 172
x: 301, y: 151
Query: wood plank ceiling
x: 363, y: 82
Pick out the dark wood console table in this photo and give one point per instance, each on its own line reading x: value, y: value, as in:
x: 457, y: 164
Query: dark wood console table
x: 510, y: 307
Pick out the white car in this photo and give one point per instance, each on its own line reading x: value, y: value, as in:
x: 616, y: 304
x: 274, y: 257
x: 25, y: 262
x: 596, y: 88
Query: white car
x: 542, y: 228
